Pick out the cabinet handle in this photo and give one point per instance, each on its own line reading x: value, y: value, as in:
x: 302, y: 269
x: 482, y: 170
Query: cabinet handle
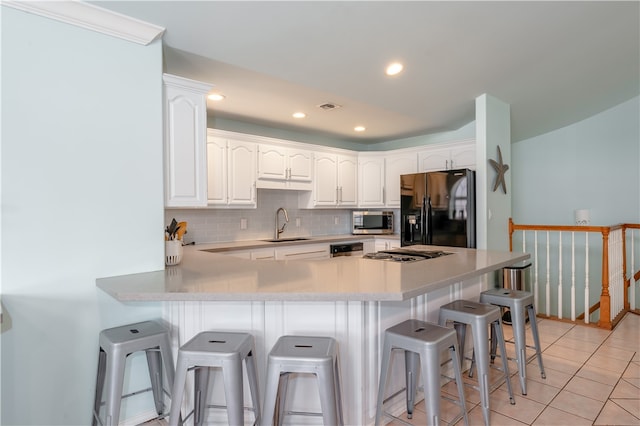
x: 340, y: 194
x: 337, y: 194
x: 446, y: 164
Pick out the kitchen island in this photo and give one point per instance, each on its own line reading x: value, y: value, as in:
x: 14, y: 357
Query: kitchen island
x: 349, y: 298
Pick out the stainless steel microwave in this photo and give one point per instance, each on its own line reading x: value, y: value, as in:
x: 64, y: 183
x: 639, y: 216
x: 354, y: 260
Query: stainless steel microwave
x: 372, y: 222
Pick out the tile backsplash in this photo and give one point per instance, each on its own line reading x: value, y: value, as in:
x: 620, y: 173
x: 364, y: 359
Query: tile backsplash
x: 221, y: 225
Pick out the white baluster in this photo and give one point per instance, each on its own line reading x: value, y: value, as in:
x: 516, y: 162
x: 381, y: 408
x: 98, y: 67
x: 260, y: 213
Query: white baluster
x: 573, y: 276
x: 548, y: 283
x: 560, y: 275
x: 586, y: 279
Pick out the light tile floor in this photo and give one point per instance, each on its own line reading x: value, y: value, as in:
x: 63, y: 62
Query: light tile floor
x: 593, y: 378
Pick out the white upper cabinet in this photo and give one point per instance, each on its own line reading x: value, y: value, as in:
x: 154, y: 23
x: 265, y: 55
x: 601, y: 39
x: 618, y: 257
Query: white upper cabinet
x: 454, y: 156
x: 335, y: 183
x: 231, y: 172
x: 379, y: 177
x: 371, y: 178
x: 347, y: 180
x: 282, y: 167
x: 396, y: 165
x: 185, y: 124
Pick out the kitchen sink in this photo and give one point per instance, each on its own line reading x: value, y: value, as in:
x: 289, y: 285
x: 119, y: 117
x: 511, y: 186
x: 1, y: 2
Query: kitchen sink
x: 283, y: 240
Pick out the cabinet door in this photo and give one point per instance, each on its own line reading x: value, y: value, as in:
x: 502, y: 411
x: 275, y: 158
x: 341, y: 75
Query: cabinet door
x: 371, y: 181
x: 464, y: 157
x: 272, y: 162
x: 300, y: 165
x: 326, y: 180
x: 347, y: 180
x: 434, y: 159
x: 185, y: 143
x: 394, y: 167
x: 242, y: 173
x: 216, y: 171
x: 306, y: 251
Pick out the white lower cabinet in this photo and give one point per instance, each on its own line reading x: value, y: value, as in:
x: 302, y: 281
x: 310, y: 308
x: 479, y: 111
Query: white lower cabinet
x: 231, y: 172
x: 387, y: 243
x: 303, y: 251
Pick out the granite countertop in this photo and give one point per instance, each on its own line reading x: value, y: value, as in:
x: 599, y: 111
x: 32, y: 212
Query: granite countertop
x: 205, y: 275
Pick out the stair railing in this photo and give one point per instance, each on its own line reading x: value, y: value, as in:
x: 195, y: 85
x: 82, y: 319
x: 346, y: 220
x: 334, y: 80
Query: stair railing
x: 615, y: 292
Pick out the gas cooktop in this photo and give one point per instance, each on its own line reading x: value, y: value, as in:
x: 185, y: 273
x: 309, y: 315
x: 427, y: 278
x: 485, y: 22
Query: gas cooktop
x: 405, y: 255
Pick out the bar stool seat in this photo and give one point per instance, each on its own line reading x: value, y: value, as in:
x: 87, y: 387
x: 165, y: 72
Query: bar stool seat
x: 422, y: 343
x: 519, y: 303
x: 226, y: 351
x: 303, y: 354
x: 479, y: 316
x: 116, y: 344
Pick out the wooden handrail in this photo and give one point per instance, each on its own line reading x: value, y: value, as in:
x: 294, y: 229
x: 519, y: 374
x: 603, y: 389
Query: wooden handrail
x: 604, y: 304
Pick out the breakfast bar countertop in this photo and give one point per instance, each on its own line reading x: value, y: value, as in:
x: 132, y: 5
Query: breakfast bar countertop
x: 210, y: 276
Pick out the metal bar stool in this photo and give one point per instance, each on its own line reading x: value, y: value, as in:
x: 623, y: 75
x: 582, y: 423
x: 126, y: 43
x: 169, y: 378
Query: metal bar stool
x: 116, y: 344
x: 479, y: 316
x: 422, y: 343
x: 225, y: 351
x: 519, y: 302
x: 303, y: 354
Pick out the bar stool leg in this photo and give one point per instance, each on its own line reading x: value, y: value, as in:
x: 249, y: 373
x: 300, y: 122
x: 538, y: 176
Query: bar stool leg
x: 154, y: 363
x: 114, y: 382
x: 431, y: 369
x: 412, y: 363
x: 461, y: 332
x: 102, y: 361
x: 384, y: 373
x: 201, y: 387
x: 252, y: 376
x: 455, y: 355
x: 270, y: 396
x: 231, y: 371
x: 536, y: 338
x: 338, y: 391
x: 480, y: 340
x: 177, y: 392
x: 517, y: 321
x: 327, y: 388
x: 496, y: 329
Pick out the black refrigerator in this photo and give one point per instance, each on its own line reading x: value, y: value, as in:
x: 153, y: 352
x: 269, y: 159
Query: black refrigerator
x: 438, y: 208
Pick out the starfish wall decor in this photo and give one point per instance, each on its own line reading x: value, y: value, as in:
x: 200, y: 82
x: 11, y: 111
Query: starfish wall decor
x: 501, y: 169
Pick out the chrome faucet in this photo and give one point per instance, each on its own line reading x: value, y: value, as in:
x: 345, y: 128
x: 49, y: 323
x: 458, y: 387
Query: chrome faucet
x: 279, y: 230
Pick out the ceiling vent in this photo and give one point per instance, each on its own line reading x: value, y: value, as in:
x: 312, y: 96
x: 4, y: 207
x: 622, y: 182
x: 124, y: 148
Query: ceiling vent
x: 329, y: 106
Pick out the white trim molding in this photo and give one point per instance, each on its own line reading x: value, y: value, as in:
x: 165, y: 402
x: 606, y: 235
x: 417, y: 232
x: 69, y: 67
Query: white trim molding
x: 93, y: 18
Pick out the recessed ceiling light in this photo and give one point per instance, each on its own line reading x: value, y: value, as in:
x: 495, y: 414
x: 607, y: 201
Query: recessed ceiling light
x: 299, y: 115
x: 394, y: 68
x: 359, y: 128
x: 216, y: 97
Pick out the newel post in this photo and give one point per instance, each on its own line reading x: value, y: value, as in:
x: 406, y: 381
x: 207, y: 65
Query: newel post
x: 605, y: 298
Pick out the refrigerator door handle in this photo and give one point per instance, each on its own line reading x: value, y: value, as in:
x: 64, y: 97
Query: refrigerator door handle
x: 423, y: 221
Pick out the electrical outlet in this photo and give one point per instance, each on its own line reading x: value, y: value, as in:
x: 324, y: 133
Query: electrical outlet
x: 243, y: 223
x: 297, y: 222
x: 336, y: 220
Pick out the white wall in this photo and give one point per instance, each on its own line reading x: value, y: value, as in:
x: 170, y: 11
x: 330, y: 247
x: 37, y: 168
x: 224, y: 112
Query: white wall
x: 81, y: 199
x: 593, y: 164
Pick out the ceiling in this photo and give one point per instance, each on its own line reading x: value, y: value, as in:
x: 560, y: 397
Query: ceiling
x: 555, y: 63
